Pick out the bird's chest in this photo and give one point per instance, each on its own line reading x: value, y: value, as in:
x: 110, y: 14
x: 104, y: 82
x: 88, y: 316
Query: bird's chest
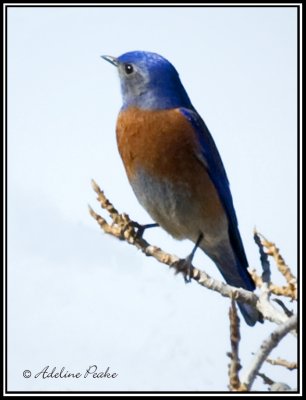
x: 158, y: 152
x: 159, y: 143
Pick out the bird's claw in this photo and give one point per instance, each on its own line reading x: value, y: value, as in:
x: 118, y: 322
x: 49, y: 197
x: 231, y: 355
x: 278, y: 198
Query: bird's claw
x: 185, y: 267
x: 141, y: 228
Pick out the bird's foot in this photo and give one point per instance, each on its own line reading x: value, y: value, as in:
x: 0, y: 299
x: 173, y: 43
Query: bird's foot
x: 141, y: 228
x: 185, y: 267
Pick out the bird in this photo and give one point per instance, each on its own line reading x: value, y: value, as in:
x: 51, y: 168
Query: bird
x: 174, y: 167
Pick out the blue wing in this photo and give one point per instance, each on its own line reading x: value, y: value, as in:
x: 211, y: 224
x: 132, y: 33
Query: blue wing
x: 216, y: 171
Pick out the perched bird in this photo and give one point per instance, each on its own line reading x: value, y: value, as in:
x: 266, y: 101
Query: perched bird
x: 174, y: 167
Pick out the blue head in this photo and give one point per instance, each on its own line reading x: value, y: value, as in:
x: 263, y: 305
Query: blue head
x: 149, y: 81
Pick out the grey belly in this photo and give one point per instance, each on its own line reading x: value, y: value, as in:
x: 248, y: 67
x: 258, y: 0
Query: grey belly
x: 172, y: 207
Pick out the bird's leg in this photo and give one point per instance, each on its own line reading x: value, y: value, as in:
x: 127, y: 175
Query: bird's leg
x: 191, y: 255
x: 142, y: 228
x: 186, y: 265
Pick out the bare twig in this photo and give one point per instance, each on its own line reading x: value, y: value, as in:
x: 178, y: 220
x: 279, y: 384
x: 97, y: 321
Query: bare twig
x: 265, y: 378
x: 267, y: 346
x: 280, y: 387
x: 264, y: 305
x: 266, y: 272
x: 274, y: 386
x: 273, y: 251
x: 287, y: 291
x: 265, y: 276
x: 234, y: 366
x: 284, y: 363
x: 284, y: 269
x: 284, y: 307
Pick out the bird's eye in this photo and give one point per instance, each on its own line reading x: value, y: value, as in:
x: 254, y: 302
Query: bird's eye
x: 128, y: 68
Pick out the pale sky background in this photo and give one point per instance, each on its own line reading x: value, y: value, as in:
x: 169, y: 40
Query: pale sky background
x: 77, y: 297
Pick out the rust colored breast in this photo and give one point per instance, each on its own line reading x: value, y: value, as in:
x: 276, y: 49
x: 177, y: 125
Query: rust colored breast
x: 162, y: 145
x: 160, y: 142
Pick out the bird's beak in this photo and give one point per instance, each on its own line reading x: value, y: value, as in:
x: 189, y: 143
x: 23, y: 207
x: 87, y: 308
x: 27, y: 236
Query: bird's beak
x: 112, y: 60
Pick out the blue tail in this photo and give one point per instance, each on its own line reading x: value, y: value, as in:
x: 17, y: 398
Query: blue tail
x: 250, y: 314
x: 239, y: 277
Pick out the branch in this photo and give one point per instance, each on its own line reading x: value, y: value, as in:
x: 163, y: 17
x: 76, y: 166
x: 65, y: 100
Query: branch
x: 291, y: 289
x: 275, y: 386
x: 264, y: 305
x: 266, y: 272
x: 287, y: 291
x: 267, y: 346
x: 234, y: 366
x: 284, y: 307
x: 123, y: 228
x: 283, y: 363
x: 265, y: 378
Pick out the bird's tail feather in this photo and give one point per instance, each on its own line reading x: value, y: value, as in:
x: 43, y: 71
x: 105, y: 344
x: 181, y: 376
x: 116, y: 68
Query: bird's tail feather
x: 250, y: 314
x: 239, y: 277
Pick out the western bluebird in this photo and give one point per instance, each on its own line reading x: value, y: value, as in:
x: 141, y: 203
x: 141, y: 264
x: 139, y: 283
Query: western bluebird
x: 174, y: 167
